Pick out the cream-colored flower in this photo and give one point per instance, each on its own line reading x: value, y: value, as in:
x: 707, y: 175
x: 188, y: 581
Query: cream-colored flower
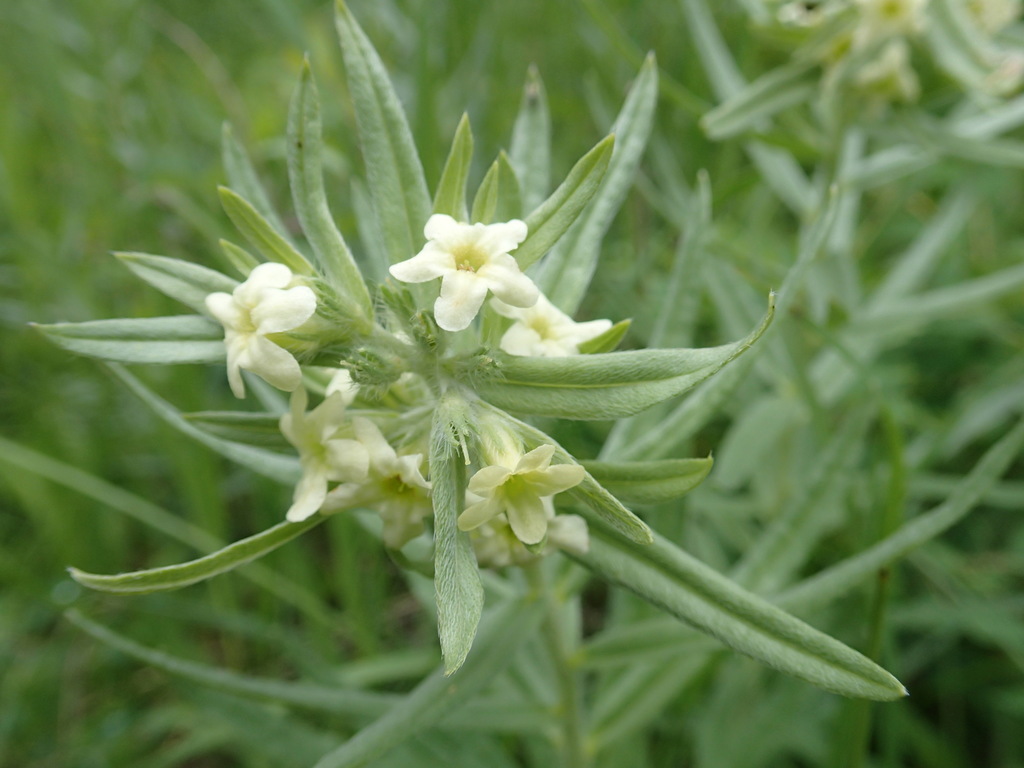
x: 393, y: 486
x: 267, y: 302
x: 470, y: 259
x: 342, y: 382
x: 881, y: 19
x: 521, y: 492
x: 544, y: 330
x: 325, y: 454
x: 496, y: 546
x: 890, y: 76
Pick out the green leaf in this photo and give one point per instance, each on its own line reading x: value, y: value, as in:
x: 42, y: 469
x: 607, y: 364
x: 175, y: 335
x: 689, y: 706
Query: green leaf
x: 503, y: 631
x: 242, y: 176
x: 567, y: 271
x: 243, y: 261
x: 485, y: 202
x: 668, y: 577
x: 263, y: 237
x: 393, y: 167
x: 771, y: 93
x: 650, y: 482
x: 458, y: 590
x: 188, y: 283
x: 340, y: 701
x: 607, y: 341
x: 510, y: 201
x: 268, y: 463
x: 551, y: 220
x: 606, y: 386
x: 177, y: 339
x: 172, y: 525
x: 530, y: 151
x: 184, y: 574
x: 305, y: 171
x: 450, y: 198
x: 260, y: 429
x: 498, y: 197
x: 838, y: 578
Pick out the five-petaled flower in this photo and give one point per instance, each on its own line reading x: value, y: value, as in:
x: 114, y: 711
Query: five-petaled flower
x: 394, y: 487
x: 544, y: 330
x: 266, y: 303
x: 523, y: 492
x: 470, y: 259
x: 326, y: 453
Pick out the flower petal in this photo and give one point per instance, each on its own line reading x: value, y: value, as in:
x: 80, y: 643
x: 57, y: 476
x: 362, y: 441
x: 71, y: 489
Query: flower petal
x: 462, y: 295
x: 309, y: 495
x: 557, y: 478
x: 382, y: 456
x: 273, y: 364
x: 430, y: 263
x: 224, y: 309
x: 442, y: 227
x: 503, y: 237
x: 487, y: 479
x: 506, y: 281
x: 525, y: 512
x: 266, y: 276
x: 537, y: 459
x: 346, y: 460
x: 477, y: 514
x: 279, y: 311
x: 520, y: 339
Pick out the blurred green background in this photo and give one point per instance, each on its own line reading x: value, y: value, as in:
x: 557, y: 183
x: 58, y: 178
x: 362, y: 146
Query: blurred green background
x: 112, y: 113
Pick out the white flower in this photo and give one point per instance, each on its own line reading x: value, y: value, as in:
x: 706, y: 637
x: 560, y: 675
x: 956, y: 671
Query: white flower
x: 522, y: 492
x: 544, y: 330
x: 394, y: 487
x: 496, y: 546
x: 342, y: 382
x: 262, y: 305
x: 323, y: 453
x: 887, y: 18
x: 470, y: 259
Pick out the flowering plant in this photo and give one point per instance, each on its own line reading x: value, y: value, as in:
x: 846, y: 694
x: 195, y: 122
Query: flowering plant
x: 430, y: 398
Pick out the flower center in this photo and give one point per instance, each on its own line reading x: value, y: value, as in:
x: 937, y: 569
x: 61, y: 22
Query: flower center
x: 469, y: 257
x: 542, y: 326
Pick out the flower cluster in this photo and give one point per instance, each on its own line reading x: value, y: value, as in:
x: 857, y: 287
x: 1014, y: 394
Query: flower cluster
x: 871, y: 44
x: 346, y: 460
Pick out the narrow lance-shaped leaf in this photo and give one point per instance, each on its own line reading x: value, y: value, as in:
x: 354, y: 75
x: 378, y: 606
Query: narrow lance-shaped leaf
x: 343, y: 701
x: 268, y: 463
x: 837, y: 579
x: 393, y: 167
x: 485, y: 202
x: 177, y: 576
x: 242, y: 177
x: 243, y: 261
x: 263, y: 237
x: 551, y: 220
x: 607, y: 341
x: 457, y: 586
x: 567, y: 271
x: 609, y: 385
x: 305, y: 171
x: 260, y: 429
x: 182, y: 280
x: 177, y: 339
x: 510, y: 200
x: 450, y: 197
x: 668, y: 577
x: 530, y: 151
x: 650, y: 482
x: 502, y: 633
x: 779, y: 89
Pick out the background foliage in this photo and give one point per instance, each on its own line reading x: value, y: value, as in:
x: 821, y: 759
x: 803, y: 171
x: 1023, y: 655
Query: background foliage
x: 113, y: 112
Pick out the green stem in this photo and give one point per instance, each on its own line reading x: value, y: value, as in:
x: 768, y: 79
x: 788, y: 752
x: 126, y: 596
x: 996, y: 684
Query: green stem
x: 557, y: 633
